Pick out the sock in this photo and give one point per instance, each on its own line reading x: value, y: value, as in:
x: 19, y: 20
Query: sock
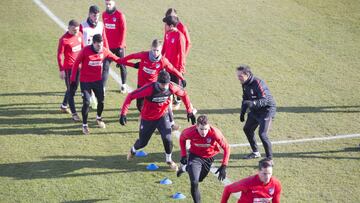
x: 133, y: 149
x: 98, y: 117
x: 168, y: 157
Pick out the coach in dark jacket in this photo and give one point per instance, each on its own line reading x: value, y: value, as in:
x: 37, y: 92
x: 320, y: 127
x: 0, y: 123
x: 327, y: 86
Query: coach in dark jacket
x: 261, y: 108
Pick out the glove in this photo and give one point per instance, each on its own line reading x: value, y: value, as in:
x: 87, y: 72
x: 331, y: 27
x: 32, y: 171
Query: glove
x: 122, y: 119
x: 222, y: 172
x: 184, y: 83
x: 191, y: 116
x: 183, y: 160
x: 242, y: 117
x: 249, y: 103
x: 136, y: 65
x: 73, y: 86
x: 118, y: 65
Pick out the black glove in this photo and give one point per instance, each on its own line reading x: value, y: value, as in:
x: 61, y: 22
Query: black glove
x: 183, y: 160
x: 136, y: 65
x: 73, y: 86
x: 222, y: 172
x: 122, y: 119
x: 249, y: 103
x: 184, y: 83
x: 118, y: 65
x: 242, y: 117
x: 191, y: 116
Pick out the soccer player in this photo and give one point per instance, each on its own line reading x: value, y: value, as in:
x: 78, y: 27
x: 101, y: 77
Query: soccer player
x: 115, y: 29
x: 150, y: 65
x: 154, y: 113
x: 174, y: 49
x: 262, y: 187
x: 91, y: 57
x: 69, y: 46
x: 182, y: 28
x: 259, y: 101
x: 204, y: 145
x: 89, y: 28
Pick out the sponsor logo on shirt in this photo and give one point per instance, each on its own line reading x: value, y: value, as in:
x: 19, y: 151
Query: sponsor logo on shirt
x: 160, y: 99
x: 202, y: 145
x: 251, y: 91
x: 95, y: 63
x: 262, y: 200
x: 110, y: 26
x: 149, y: 71
x: 76, y: 48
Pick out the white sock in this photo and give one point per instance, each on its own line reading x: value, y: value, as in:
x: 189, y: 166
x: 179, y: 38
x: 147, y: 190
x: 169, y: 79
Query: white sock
x: 168, y: 157
x: 85, y: 125
x: 133, y: 149
x: 183, y: 167
x: 98, y: 117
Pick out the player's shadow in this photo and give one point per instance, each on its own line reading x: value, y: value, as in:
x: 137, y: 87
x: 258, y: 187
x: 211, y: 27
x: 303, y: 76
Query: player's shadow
x: 69, y: 166
x: 291, y: 109
x: 86, y: 201
x: 32, y: 94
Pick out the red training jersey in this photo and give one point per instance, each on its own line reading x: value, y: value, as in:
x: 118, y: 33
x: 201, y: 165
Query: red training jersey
x: 174, y: 49
x: 115, y: 29
x: 148, y: 70
x: 156, y: 102
x: 183, y: 29
x: 69, y: 46
x: 253, y: 190
x: 91, y: 61
x: 207, y: 146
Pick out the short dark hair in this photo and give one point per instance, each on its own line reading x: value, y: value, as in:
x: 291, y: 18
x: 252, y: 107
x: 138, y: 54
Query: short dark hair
x: 171, y: 20
x: 265, y: 163
x: 94, y: 9
x: 170, y: 11
x: 97, y: 38
x: 245, y: 69
x: 156, y: 43
x: 73, y: 22
x: 164, y: 77
x: 202, y: 120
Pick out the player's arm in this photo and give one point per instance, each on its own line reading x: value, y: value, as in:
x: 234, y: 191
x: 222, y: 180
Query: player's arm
x: 187, y: 40
x: 164, y: 45
x: 76, y: 65
x: 171, y: 69
x: 106, y: 44
x: 182, y: 143
x: 178, y: 91
x: 126, y: 59
x: 138, y: 93
x: 123, y: 25
x: 276, y: 197
x: 182, y: 53
x: 60, y: 53
x: 232, y: 188
x: 221, y: 140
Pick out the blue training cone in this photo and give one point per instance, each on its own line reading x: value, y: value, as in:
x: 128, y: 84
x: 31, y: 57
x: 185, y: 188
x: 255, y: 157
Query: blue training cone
x: 165, y: 181
x: 178, y: 195
x: 141, y: 154
x: 152, y: 167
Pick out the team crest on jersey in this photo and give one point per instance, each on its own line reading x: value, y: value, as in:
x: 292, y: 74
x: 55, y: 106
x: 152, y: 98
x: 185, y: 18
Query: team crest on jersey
x: 101, y: 55
x: 172, y: 40
x: 114, y: 19
x: 271, y: 191
x: 208, y: 140
x: 157, y: 65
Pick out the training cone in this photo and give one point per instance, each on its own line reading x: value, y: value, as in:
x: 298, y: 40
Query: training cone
x: 178, y: 195
x: 140, y: 154
x: 152, y: 167
x: 165, y: 181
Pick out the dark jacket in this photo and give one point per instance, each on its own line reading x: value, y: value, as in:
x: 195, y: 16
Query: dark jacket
x: 255, y: 89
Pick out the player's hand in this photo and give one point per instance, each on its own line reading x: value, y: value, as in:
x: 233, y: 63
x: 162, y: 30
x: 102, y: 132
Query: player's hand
x: 222, y: 172
x: 73, y: 86
x: 137, y: 65
x: 118, y: 65
x: 184, y: 83
x: 122, y: 119
x: 62, y: 75
x: 249, y: 103
x: 191, y: 116
x: 242, y: 117
x: 183, y: 160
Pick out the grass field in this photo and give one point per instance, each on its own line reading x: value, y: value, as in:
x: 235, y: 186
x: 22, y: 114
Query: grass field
x: 306, y: 50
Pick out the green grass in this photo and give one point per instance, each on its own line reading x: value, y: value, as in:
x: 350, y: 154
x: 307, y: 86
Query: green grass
x: 306, y: 51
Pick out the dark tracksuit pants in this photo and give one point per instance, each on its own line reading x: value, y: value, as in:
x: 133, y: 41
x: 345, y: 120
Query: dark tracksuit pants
x: 198, y: 168
x: 264, y: 121
x: 98, y: 89
x: 147, y: 128
x: 120, y: 52
x: 69, y: 96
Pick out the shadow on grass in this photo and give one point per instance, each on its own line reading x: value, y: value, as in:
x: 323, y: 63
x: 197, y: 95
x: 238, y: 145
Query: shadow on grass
x: 69, y: 166
x: 86, y: 201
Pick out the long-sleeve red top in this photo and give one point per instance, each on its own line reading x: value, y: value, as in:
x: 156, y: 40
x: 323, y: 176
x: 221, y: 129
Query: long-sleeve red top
x: 115, y: 29
x: 156, y: 102
x: 148, y: 70
x: 91, y: 61
x: 69, y: 47
x: 174, y: 49
x: 183, y: 29
x: 207, y: 146
x: 253, y: 190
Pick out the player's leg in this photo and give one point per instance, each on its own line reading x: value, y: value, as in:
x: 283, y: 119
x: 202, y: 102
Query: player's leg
x: 164, y: 127
x: 63, y: 106
x: 249, y: 129
x: 72, y: 92
x: 105, y: 71
x: 123, y: 71
x: 86, y: 94
x: 176, y: 100
x: 98, y: 89
x: 264, y: 128
x: 206, y: 165
x: 194, y: 170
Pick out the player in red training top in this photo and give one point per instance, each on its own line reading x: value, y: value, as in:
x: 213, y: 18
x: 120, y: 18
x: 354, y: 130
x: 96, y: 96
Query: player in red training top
x: 115, y: 29
x: 204, y: 145
x: 182, y: 28
x: 154, y: 113
x: 91, y: 57
x: 70, y: 45
x: 262, y: 187
x: 150, y: 65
